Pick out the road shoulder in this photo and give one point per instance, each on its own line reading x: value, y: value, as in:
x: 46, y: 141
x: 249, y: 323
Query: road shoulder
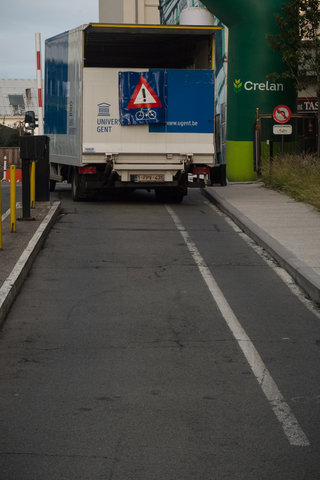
x: 20, y: 250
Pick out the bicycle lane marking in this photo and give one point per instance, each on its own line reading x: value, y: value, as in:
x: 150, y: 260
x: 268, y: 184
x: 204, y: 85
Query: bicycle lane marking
x: 281, y: 409
x: 7, y: 213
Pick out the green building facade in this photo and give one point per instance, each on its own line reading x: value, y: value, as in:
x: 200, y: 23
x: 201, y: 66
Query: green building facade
x: 244, y: 60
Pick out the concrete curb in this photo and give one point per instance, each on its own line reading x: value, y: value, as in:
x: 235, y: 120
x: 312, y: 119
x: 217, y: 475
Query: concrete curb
x: 307, y: 278
x: 11, y: 286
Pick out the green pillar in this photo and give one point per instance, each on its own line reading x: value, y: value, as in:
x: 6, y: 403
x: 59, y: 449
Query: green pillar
x: 250, y: 60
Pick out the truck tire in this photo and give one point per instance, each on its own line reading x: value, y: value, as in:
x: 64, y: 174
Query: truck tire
x: 52, y: 185
x: 169, y: 195
x: 75, y: 186
x: 176, y: 195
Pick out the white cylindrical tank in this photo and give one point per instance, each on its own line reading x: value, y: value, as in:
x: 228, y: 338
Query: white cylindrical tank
x: 195, y: 16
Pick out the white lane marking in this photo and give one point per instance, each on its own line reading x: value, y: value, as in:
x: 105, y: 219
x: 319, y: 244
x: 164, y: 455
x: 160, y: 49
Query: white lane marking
x: 281, y: 409
x: 280, y: 271
x: 7, y: 213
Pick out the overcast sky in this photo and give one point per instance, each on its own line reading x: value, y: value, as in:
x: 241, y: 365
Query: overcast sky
x: 21, y: 19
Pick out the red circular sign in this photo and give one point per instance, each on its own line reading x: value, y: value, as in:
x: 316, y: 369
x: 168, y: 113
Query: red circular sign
x: 282, y: 114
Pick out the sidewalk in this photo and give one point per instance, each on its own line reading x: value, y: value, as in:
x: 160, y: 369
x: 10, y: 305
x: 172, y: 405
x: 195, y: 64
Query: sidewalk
x: 20, y: 249
x: 288, y: 230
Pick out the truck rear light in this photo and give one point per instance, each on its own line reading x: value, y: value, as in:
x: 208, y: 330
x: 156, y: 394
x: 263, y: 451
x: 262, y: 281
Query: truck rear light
x: 86, y: 170
x: 197, y: 170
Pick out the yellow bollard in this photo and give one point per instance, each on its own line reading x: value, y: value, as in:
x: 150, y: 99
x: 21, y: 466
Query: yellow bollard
x: 13, y: 196
x: 33, y: 184
x: 0, y: 219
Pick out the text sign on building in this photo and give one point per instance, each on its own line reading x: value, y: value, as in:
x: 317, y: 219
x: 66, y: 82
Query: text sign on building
x: 307, y: 105
x: 282, y: 129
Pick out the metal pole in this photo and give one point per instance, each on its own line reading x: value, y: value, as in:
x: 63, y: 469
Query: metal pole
x: 0, y: 219
x: 13, y: 196
x: 5, y: 168
x: 39, y: 83
x: 26, y: 190
x: 258, y: 142
x: 33, y: 184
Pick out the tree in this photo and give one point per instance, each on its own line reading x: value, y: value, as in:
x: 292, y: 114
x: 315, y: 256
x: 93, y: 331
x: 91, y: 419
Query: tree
x: 298, y: 41
x: 9, y: 137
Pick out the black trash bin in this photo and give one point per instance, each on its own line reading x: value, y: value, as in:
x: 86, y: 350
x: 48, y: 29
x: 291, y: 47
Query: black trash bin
x: 36, y: 147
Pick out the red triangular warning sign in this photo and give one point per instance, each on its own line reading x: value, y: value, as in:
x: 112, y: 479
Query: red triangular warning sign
x: 144, y: 96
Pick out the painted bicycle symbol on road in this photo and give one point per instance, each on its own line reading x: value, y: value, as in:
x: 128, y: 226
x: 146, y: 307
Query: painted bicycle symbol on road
x: 146, y: 114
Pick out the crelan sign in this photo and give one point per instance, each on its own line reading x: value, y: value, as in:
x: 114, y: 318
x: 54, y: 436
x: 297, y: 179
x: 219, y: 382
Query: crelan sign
x: 251, y: 86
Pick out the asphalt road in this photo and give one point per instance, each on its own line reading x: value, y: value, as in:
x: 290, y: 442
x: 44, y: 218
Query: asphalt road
x: 5, y: 196
x: 152, y: 342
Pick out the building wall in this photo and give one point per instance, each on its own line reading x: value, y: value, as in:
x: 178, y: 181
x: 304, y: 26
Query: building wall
x: 170, y: 10
x: 129, y: 11
x: 26, y: 93
x: 12, y: 155
x: 110, y: 11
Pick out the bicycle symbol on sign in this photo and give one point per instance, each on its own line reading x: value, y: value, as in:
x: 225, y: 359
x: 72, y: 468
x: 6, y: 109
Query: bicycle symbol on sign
x: 146, y: 114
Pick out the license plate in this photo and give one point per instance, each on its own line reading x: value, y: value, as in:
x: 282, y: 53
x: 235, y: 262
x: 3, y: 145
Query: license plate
x: 145, y: 177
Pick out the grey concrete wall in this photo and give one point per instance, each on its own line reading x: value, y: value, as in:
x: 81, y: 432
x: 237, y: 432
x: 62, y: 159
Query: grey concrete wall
x: 111, y: 11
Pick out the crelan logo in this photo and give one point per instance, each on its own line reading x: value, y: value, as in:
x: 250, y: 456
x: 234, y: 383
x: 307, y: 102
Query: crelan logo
x: 237, y: 85
x: 251, y: 86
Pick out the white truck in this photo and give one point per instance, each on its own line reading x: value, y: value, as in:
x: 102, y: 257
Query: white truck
x: 131, y: 106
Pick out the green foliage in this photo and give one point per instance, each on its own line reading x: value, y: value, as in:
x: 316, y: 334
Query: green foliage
x: 288, y: 40
x: 9, y: 137
x: 296, y: 175
x: 298, y: 41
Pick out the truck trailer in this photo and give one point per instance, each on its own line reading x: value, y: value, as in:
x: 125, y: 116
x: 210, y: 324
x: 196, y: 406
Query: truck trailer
x: 131, y: 107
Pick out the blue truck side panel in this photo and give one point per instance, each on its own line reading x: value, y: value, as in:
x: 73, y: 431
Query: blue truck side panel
x: 63, y: 96
x: 56, y: 84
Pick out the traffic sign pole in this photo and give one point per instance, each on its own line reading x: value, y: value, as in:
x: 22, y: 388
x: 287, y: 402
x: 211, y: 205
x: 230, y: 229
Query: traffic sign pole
x: 281, y: 114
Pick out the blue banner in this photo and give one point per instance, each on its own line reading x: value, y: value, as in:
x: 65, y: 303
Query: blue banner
x: 190, y: 102
x: 142, y: 97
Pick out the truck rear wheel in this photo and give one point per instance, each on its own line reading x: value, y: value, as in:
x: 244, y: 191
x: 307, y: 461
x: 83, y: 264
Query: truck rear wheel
x: 176, y: 196
x: 52, y: 185
x: 75, y: 186
x: 170, y: 194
